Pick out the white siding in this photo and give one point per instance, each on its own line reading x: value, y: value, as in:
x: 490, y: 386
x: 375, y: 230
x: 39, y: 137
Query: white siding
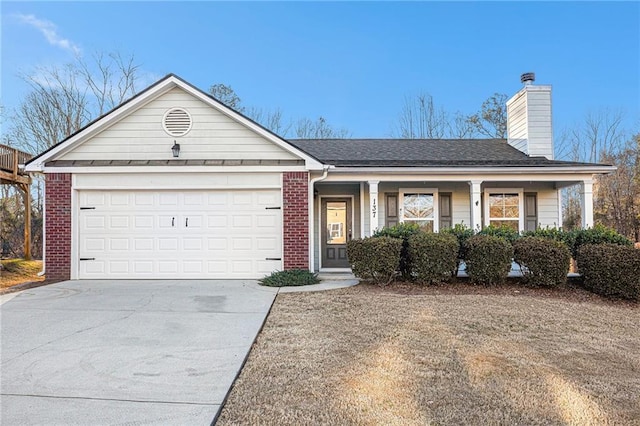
x: 140, y: 136
x: 517, y: 122
x: 539, y: 117
x: 548, y: 208
x: 529, y: 125
x: 460, y: 203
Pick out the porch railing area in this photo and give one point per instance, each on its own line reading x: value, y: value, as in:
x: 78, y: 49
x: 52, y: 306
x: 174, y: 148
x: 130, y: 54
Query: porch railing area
x: 11, y: 174
x: 10, y: 158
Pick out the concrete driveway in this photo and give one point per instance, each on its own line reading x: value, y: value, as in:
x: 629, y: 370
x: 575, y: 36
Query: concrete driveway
x: 126, y: 352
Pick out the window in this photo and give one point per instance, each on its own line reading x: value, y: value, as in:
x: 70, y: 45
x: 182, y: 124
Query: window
x: 504, y: 208
x: 420, y: 206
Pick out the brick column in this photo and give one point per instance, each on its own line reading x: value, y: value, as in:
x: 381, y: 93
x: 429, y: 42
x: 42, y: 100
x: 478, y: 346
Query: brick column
x: 295, y: 215
x: 58, y: 226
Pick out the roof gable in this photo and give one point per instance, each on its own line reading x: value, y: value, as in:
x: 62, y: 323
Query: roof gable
x: 133, y: 131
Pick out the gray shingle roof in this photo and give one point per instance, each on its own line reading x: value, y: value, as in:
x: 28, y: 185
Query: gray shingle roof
x: 420, y: 153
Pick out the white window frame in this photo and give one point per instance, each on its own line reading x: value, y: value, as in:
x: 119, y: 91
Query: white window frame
x: 426, y: 191
x: 519, y: 191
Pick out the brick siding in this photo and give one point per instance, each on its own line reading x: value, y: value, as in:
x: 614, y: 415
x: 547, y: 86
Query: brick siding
x: 58, y: 226
x: 295, y: 187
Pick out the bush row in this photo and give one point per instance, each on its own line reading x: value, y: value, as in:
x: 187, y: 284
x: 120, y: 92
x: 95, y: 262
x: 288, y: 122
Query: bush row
x: 543, y: 256
x: 611, y: 270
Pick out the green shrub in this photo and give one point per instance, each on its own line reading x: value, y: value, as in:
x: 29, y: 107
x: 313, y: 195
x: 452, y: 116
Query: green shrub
x: 597, y: 235
x: 610, y: 269
x: 375, y: 258
x: 504, y: 232
x: 290, y: 278
x: 402, y: 231
x: 543, y: 261
x: 556, y: 234
x: 488, y: 259
x: 462, y: 234
x: 433, y: 256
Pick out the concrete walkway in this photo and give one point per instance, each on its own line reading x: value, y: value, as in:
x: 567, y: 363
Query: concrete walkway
x: 125, y: 352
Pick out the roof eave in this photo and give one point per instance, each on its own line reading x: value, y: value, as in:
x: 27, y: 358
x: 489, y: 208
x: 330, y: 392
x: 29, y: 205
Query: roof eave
x: 595, y: 169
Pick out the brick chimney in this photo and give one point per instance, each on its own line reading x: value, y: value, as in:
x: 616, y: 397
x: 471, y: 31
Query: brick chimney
x: 529, y: 126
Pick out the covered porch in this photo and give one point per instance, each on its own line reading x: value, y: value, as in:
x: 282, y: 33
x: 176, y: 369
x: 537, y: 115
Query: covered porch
x: 354, y: 206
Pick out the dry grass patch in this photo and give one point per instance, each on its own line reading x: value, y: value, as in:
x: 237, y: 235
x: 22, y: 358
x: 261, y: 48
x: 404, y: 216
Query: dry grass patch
x: 369, y: 356
x: 19, y: 271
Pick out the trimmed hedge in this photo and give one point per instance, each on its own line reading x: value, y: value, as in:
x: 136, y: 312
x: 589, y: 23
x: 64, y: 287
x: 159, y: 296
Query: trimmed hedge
x: 375, y: 258
x: 543, y: 261
x: 290, y: 278
x: 403, y: 231
x: 556, y: 234
x: 433, y: 257
x: 597, y: 235
x: 462, y: 234
x: 501, y: 231
x: 488, y: 259
x: 610, y: 270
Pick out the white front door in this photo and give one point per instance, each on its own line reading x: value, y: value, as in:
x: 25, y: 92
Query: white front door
x: 179, y: 234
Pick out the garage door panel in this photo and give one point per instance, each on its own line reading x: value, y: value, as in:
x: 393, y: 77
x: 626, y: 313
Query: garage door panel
x: 116, y: 267
x: 192, y: 244
x: 174, y: 234
x: 168, y: 244
x: 143, y: 244
x: 95, y: 222
x: 118, y: 244
x: 143, y: 267
x: 119, y: 199
x: 168, y: 199
x: 143, y: 199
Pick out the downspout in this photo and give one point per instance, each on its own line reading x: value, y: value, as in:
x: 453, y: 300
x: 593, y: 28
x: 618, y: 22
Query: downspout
x: 312, y: 183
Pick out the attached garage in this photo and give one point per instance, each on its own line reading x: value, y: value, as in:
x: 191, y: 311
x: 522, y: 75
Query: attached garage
x: 173, y: 184
x: 179, y: 234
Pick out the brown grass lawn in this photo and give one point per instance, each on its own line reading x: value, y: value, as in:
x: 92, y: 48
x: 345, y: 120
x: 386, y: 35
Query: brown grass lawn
x: 18, y: 271
x: 453, y: 355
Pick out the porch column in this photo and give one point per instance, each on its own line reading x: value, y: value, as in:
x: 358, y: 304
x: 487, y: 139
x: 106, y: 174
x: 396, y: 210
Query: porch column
x: 373, y: 206
x: 586, y: 203
x: 476, y: 205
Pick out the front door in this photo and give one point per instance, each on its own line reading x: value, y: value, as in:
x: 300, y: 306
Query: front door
x: 336, y: 231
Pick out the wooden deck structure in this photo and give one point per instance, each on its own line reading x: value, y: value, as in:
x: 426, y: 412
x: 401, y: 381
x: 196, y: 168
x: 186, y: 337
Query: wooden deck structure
x: 11, y: 174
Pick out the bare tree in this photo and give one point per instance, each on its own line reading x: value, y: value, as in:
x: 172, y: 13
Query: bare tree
x: 600, y: 137
x: 462, y: 127
x: 64, y: 99
x: 271, y: 119
x: 617, y: 200
x: 306, y: 128
x: 227, y: 96
x: 420, y: 118
x: 111, y: 78
x: 599, y: 134
x: 491, y: 120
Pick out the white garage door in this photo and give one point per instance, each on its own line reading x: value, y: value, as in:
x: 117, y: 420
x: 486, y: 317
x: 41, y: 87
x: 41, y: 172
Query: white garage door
x: 179, y: 234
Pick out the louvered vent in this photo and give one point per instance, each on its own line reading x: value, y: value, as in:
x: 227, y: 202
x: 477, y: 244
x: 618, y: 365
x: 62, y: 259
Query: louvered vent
x: 177, y: 122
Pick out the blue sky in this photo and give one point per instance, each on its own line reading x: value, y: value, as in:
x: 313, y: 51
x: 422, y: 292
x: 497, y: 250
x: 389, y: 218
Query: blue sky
x: 351, y: 62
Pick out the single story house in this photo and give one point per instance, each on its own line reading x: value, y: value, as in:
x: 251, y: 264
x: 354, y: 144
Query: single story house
x: 174, y: 184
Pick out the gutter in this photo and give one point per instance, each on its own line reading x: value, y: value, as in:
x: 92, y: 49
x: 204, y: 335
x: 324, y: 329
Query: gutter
x: 483, y: 170
x: 312, y: 183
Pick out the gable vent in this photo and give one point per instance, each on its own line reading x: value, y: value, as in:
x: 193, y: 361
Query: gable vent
x: 176, y: 122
